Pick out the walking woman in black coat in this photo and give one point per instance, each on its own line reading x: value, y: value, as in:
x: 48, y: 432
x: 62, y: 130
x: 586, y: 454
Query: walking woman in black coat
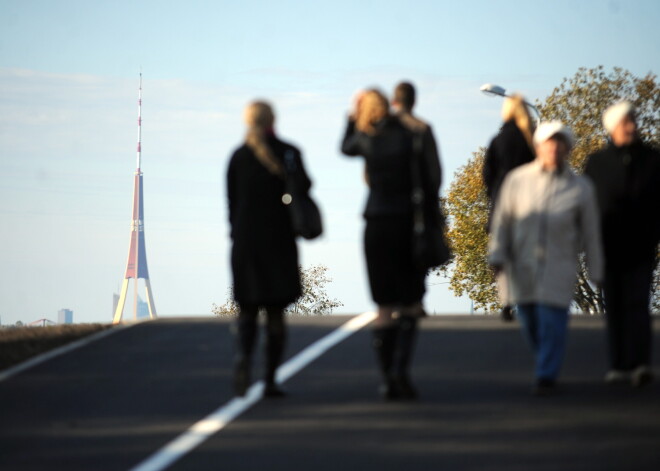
x: 511, y: 148
x: 626, y: 174
x: 264, y: 256
x: 397, y: 284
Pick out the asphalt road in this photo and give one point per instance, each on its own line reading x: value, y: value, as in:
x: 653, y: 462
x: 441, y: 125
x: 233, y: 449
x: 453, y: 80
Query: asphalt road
x: 114, y: 402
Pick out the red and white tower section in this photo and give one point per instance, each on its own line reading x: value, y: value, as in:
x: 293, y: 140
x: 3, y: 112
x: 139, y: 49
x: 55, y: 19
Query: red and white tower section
x: 136, y: 266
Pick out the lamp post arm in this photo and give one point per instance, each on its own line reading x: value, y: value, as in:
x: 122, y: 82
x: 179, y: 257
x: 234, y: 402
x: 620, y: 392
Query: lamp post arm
x: 492, y: 89
x: 536, y: 110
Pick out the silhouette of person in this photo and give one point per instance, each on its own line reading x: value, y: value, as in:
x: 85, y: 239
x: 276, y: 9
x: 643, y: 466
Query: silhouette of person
x: 511, y: 148
x: 264, y: 255
x: 396, y: 283
x: 626, y: 175
x: 544, y: 216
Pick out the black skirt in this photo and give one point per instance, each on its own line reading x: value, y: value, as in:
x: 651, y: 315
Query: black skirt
x: 393, y: 277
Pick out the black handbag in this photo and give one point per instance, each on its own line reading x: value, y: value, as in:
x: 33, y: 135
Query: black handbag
x: 305, y: 214
x: 429, y: 246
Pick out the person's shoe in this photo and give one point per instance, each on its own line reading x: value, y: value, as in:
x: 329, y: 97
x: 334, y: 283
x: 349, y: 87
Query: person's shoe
x: 273, y: 391
x: 241, y: 376
x: 405, y: 389
x: 617, y: 377
x: 506, y: 315
x: 544, y: 387
x: 388, y: 390
x: 641, y: 376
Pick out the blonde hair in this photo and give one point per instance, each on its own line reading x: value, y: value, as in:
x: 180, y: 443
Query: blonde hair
x: 259, y: 118
x: 372, y: 107
x: 514, y: 108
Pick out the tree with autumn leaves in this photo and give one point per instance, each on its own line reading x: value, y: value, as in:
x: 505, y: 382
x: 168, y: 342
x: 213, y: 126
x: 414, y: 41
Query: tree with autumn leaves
x: 579, y: 102
x: 466, y: 207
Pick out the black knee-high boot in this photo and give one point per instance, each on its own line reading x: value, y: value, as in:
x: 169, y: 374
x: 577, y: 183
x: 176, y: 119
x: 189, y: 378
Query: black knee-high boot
x: 246, y: 335
x: 384, y: 341
x: 274, y: 350
x: 405, y: 345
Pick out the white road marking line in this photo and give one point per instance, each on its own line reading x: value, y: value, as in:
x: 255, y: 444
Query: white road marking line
x: 224, y: 415
x: 60, y: 351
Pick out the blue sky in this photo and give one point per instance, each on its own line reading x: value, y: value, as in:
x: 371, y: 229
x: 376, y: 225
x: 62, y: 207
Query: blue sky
x: 68, y: 90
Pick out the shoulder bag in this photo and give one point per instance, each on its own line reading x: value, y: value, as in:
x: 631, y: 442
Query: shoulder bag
x: 305, y: 214
x: 429, y: 246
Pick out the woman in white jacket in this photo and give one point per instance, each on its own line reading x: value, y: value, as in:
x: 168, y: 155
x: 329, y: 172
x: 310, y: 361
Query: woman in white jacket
x: 545, y: 216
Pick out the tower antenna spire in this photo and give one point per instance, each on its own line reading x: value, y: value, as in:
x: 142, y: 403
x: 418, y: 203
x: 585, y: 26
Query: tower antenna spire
x: 139, y: 136
x: 136, y: 265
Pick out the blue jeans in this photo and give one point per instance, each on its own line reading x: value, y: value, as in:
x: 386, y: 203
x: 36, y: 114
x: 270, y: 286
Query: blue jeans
x: 545, y: 329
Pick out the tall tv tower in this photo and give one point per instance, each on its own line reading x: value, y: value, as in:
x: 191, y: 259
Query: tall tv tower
x: 136, y: 266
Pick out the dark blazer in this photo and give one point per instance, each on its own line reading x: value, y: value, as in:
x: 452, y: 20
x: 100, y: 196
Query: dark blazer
x: 388, y: 154
x: 264, y: 255
x: 627, y: 181
x: 508, y: 150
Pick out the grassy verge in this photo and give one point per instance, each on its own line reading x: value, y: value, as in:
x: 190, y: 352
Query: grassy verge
x: 22, y: 343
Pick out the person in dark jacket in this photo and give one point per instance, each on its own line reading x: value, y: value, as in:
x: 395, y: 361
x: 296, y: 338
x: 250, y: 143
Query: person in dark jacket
x: 402, y: 105
x: 511, y: 148
x: 264, y: 255
x: 397, y: 284
x: 626, y: 175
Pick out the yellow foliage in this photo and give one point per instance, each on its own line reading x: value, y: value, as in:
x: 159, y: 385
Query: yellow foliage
x: 466, y: 207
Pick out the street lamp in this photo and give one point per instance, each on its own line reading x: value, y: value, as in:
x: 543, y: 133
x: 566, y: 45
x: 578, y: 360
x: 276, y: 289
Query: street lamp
x: 492, y: 89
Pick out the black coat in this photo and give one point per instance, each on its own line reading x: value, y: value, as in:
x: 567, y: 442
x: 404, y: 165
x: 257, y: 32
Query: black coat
x: 264, y: 255
x: 627, y: 181
x: 508, y: 150
x: 388, y: 155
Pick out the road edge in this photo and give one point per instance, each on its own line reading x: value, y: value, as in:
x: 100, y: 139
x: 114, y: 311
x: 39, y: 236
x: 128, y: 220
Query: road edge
x: 49, y: 355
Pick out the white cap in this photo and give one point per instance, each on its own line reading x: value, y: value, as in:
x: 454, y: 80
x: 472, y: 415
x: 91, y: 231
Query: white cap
x: 615, y: 113
x: 548, y: 129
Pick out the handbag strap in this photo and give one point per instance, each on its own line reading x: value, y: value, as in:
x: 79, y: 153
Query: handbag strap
x: 290, y: 162
x: 290, y: 170
x: 417, y: 195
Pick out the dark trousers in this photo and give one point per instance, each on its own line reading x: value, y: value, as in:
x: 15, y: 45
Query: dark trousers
x: 627, y: 293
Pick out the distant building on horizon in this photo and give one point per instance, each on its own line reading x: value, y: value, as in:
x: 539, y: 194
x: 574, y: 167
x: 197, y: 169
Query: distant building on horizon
x: 142, y: 309
x: 142, y: 306
x: 65, y: 316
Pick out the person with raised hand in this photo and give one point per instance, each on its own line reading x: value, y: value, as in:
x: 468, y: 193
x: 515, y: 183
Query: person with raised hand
x: 386, y: 142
